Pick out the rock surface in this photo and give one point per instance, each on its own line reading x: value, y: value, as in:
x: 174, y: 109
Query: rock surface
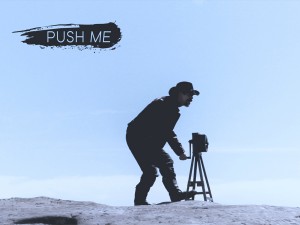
x: 44, y: 210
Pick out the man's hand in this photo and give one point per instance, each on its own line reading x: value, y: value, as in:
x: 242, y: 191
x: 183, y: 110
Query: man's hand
x: 183, y: 156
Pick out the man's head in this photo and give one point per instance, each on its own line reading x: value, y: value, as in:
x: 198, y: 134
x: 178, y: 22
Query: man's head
x: 184, y: 93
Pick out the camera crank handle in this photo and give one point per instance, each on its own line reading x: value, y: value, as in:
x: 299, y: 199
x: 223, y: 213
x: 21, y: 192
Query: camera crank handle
x: 190, y: 146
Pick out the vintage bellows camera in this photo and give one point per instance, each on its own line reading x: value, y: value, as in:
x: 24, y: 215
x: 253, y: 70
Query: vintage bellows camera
x: 200, y: 142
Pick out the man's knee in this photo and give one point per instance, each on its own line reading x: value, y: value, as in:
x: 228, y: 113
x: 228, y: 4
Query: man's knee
x: 149, y: 176
x: 150, y: 173
x: 167, y: 170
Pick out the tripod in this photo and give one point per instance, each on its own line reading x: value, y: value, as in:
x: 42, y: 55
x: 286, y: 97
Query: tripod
x: 197, y: 161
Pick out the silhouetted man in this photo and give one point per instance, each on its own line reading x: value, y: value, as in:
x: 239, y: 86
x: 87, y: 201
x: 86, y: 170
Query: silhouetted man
x: 149, y: 132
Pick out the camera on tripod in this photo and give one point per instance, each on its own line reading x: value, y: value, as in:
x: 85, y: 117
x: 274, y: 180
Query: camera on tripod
x: 199, y: 142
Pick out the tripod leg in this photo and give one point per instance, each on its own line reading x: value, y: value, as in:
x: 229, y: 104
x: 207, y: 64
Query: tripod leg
x: 195, y: 174
x: 201, y: 178
x: 190, y: 175
x: 208, y: 187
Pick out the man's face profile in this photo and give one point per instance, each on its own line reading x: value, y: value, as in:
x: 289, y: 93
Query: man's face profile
x: 185, y: 98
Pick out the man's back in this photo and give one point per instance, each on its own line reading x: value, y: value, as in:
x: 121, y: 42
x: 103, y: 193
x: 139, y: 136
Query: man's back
x: 158, y: 119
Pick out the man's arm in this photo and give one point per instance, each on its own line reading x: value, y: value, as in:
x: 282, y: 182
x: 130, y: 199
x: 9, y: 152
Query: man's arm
x: 176, y: 146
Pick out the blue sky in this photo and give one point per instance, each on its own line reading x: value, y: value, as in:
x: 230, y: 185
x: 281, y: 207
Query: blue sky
x: 64, y: 113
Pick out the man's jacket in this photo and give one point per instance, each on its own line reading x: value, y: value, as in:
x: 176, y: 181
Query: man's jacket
x: 155, y: 124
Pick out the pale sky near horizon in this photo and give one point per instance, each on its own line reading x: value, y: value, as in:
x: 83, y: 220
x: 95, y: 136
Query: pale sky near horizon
x: 63, y: 113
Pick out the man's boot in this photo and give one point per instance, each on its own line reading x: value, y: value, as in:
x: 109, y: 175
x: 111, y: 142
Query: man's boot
x: 178, y: 196
x: 141, y: 195
x: 175, y: 193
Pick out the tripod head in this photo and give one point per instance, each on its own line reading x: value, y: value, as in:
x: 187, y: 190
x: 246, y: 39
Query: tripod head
x: 199, y: 142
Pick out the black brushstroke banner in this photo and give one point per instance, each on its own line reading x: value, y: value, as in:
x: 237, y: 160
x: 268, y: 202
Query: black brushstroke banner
x: 93, y: 36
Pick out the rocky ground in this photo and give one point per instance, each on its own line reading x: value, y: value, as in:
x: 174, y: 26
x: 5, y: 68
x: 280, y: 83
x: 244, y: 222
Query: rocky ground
x: 44, y: 210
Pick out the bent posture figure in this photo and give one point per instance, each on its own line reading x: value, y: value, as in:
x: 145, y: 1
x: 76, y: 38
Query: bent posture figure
x: 149, y: 132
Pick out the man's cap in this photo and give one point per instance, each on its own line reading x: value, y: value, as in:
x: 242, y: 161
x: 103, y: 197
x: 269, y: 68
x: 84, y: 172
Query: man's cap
x: 185, y: 87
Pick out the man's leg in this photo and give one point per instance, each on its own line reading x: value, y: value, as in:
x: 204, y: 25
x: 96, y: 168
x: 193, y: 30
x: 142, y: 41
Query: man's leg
x: 144, y: 158
x: 143, y: 187
x: 166, y: 168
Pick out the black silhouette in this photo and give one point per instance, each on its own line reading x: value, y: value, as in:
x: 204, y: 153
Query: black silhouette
x: 199, y: 144
x: 149, y: 132
x: 51, y: 220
